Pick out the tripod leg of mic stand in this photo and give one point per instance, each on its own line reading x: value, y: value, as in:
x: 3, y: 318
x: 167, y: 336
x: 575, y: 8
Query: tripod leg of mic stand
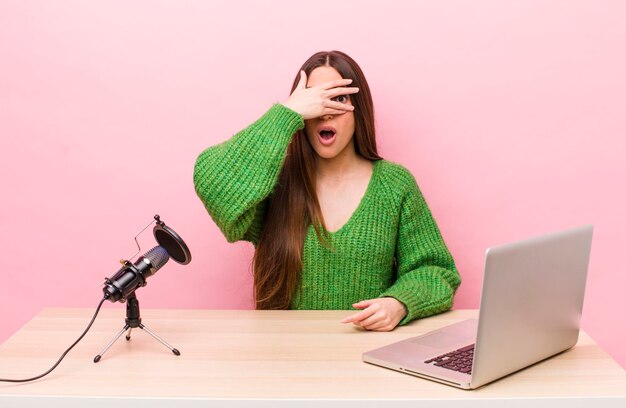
x: 172, y: 349
x: 128, y: 334
x: 99, y: 356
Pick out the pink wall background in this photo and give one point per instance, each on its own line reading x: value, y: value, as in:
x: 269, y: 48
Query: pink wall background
x: 510, y: 114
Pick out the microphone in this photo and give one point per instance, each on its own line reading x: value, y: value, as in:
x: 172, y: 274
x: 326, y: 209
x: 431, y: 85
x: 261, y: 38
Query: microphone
x: 122, y: 286
x: 133, y: 276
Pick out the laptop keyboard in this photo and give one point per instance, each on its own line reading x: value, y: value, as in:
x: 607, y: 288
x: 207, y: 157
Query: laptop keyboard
x: 457, y: 360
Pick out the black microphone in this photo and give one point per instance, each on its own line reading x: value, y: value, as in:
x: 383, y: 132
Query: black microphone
x: 133, y: 276
x: 122, y: 286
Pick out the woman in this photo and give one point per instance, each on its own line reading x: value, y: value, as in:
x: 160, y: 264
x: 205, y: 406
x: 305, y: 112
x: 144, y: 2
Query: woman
x: 334, y: 226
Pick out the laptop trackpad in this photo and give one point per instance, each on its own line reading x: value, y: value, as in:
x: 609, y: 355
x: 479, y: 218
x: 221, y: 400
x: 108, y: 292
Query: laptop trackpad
x: 450, y: 337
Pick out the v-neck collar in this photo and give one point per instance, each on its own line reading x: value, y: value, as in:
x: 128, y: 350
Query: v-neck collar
x: 359, y: 208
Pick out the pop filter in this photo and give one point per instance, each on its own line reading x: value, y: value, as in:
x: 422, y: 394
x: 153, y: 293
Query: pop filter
x: 172, y: 242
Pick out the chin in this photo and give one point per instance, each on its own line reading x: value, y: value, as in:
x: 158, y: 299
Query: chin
x: 326, y: 154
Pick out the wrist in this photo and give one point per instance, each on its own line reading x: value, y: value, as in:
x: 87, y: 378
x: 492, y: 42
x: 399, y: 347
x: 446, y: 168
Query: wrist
x: 400, y: 307
x: 289, y: 106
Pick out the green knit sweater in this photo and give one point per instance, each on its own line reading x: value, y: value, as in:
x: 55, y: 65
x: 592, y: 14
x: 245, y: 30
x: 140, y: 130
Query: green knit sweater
x: 390, y: 246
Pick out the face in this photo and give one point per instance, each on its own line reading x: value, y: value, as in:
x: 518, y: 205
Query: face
x: 331, y: 135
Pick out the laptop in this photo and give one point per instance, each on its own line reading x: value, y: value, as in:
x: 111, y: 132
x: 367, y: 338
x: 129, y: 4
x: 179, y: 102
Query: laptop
x: 530, y: 310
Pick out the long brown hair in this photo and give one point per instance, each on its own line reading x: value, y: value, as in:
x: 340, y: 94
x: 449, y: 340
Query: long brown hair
x: 293, y: 206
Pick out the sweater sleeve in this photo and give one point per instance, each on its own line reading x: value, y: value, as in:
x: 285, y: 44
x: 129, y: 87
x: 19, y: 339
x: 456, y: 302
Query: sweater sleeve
x: 427, y: 277
x: 233, y: 179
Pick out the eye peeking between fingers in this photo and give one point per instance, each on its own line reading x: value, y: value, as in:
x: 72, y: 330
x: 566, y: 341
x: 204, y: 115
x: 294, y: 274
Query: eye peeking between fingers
x: 341, y: 98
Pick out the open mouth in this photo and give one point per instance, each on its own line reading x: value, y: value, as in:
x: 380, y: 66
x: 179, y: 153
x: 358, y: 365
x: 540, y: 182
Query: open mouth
x: 327, y: 135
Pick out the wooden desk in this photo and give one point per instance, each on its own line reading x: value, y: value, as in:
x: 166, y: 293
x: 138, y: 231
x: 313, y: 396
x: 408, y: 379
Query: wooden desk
x: 282, y: 358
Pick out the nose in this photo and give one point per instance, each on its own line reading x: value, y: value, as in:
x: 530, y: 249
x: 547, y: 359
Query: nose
x: 327, y: 117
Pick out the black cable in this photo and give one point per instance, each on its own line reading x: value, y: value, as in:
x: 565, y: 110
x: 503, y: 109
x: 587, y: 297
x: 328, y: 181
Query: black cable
x: 66, y: 351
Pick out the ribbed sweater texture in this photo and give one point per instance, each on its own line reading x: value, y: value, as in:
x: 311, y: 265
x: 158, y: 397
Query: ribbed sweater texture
x: 390, y: 246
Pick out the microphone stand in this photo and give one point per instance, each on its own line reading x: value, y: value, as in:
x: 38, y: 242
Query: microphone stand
x: 133, y: 320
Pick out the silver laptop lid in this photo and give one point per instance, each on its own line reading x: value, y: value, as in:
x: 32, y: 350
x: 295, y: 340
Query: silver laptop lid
x: 531, y: 302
